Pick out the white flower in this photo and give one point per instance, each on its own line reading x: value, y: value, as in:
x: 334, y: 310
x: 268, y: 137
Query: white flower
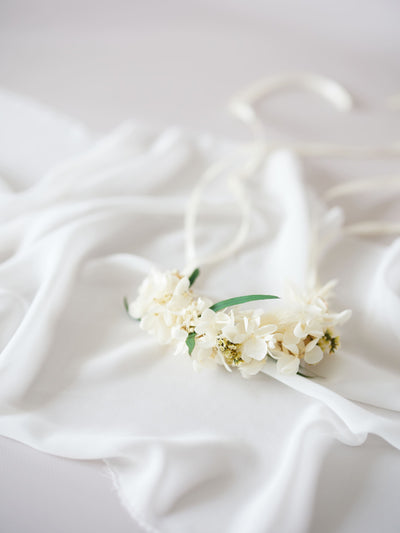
x: 246, y: 328
x: 300, y: 332
x: 306, y: 329
x: 167, y: 308
x: 169, y: 289
x: 308, y: 311
x: 235, y: 339
x: 210, y: 325
x: 208, y: 328
x: 186, y: 321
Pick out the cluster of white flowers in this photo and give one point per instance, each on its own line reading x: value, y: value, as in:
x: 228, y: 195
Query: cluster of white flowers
x: 167, y: 308
x: 299, y: 332
x: 306, y: 329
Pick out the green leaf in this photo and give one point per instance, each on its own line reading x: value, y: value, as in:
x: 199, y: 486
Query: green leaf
x: 190, y: 341
x: 126, y: 305
x: 193, y: 276
x: 241, y: 300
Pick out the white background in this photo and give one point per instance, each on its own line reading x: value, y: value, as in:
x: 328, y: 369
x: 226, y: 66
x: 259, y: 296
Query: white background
x: 177, y: 62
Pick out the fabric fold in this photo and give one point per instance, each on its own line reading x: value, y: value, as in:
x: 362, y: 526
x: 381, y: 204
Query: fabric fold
x: 207, y: 451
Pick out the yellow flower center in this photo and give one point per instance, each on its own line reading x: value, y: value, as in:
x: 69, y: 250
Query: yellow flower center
x: 230, y: 351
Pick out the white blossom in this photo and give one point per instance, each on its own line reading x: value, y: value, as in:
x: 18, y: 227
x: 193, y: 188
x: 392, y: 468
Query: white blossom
x: 306, y: 329
x: 237, y: 338
x: 167, y: 308
x: 301, y: 331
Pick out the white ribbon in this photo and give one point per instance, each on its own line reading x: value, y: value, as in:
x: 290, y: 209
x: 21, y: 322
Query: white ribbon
x: 243, y: 106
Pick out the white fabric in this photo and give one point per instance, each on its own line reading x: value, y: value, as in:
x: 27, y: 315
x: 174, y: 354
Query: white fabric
x: 188, y: 451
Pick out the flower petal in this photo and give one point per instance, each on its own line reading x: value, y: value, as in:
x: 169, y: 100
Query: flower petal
x: 250, y: 369
x: 287, y: 364
x: 268, y: 329
x: 182, y: 286
x: 300, y: 330
x: 254, y: 348
x: 314, y: 356
x: 289, y: 337
x: 343, y: 316
x: 311, y: 344
x: 233, y: 334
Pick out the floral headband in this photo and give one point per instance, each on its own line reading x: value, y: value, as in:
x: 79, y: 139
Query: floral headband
x: 297, y: 333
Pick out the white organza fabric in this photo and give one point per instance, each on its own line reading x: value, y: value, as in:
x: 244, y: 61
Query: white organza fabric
x: 188, y: 451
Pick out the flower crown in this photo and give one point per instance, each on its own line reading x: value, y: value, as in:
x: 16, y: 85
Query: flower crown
x: 298, y: 334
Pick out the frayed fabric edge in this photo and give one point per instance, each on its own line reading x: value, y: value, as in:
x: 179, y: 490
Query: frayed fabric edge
x: 130, y: 508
